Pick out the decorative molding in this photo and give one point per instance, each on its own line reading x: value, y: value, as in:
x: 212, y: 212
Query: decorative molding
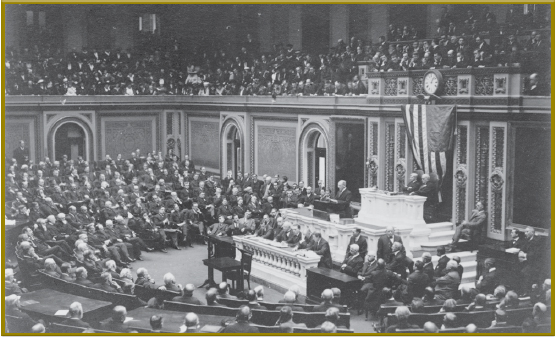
x: 252, y: 145
x: 484, y: 85
x: 417, y: 85
x: 391, y: 86
x: 451, y: 86
x: 500, y: 85
x: 402, y: 87
x: 497, y: 180
x: 463, y: 86
x: 461, y: 176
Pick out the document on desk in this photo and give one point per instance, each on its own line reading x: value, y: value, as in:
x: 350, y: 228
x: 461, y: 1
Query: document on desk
x: 61, y: 313
x: 127, y: 319
x: 512, y: 250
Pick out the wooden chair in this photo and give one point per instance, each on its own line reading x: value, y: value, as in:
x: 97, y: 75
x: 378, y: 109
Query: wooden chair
x: 246, y: 261
x: 200, y: 309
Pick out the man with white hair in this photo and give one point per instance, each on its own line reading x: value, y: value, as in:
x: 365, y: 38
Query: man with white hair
x: 76, y: 315
x: 170, y: 283
x: 107, y: 284
x: 13, y: 308
x: 50, y: 267
x: 447, y: 285
x: 10, y: 285
x: 353, y: 262
x: 344, y: 195
x: 385, y: 243
x: 144, y: 279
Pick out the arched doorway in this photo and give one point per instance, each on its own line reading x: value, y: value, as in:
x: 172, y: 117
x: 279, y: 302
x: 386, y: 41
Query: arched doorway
x: 233, y: 148
x: 316, y: 159
x: 314, y: 155
x: 70, y: 140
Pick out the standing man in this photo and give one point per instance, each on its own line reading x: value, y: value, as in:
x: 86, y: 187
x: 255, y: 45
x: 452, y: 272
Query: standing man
x: 385, y: 243
x: 357, y: 239
x: 21, y: 154
x: 344, y: 195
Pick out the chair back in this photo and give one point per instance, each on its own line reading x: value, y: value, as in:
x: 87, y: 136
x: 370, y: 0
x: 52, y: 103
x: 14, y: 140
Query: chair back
x: 232, y: 303
x: 17, y: 324
x: 269, y: 329
x: 306, y: 307
x: 146, y: 293
x: 200, y: 309
x: 500, y: 329
x: 62, y: 328
x: 246, y: 260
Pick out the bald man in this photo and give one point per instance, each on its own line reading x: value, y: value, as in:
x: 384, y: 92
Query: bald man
x: 187, y: 295
x: 190, y: 323
x: 242, y: 324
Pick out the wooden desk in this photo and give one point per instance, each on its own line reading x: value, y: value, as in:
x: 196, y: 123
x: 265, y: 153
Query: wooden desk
x: 225, y: 264
x: 338, y: 207
x: 319, y: 279
x: 49, y: 301
x: 220, y: 246
x: 171, y: 320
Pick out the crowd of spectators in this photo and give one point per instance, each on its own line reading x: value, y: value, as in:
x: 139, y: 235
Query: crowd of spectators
x: 87, y: 222
x: 171, y: 69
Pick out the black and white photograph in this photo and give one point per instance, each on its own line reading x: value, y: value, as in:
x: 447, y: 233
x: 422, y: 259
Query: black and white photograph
x: 278, y: 168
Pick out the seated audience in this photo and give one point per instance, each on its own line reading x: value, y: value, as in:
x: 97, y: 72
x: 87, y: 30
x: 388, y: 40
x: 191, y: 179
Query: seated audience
x: 76, y: 316
x: 402, y: 314
x: 242, y: 324
x: 187, y: 295
x: 285, y: 321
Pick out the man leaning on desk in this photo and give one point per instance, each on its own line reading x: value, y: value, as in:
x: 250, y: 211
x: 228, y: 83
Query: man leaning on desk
x: 344, y: 195
x: 321, y: 247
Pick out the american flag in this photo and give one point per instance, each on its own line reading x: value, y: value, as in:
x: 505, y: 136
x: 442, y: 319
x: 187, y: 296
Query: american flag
x: 430, y: 130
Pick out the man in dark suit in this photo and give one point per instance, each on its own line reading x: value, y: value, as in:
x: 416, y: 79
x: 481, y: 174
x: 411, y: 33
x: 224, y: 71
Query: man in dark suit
x: 536, y: 253
x: 428, y: 267
x: 187, y: 295
x: 414, y: 183
x: 447, y: 285
x: 21, y: 154
x: 439, y: 270
x: 76, y: 315
x: 242, y: 324
x: 116, y: 322
x: 490, y: 278
x: 327, y: 296
x: 471, y: 227
x: 353, y: 262
x: 322, y: 248
x: 81, y: 277
x: 191, y: 323
x: 344, y: 195
x: 364, y: 274
x: 518, y: 239
x: 385, y: 242
x: 416, y: 283
x: 398, y: 261
x: 379, y: 278
x: 357, y: 239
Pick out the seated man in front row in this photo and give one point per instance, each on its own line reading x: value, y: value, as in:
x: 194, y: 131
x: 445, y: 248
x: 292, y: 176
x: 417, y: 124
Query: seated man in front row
x: 471, y: 227
x: 353, y: 262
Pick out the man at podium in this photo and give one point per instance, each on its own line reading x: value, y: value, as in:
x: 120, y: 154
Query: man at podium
x: 344, y: 195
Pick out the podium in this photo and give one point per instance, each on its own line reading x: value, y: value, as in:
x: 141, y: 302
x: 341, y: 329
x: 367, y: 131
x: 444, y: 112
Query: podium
x: 338, y: 207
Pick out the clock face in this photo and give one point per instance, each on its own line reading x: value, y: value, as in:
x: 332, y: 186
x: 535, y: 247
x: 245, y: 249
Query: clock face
x: 430, y: 83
